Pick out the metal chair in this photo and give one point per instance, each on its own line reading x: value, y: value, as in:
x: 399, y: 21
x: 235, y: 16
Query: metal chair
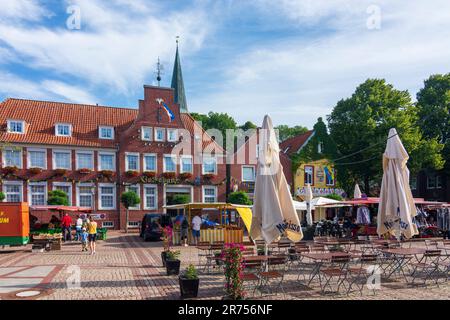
x: 359, y: 273
x: 335, y: 270
x: 427, y: 267
x: 250, y: 276
x: 275, y: 274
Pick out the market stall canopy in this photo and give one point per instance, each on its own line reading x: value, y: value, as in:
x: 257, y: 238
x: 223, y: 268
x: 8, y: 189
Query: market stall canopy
x: 300, y: 206
x: 60, y: 208
x: 357, y: 193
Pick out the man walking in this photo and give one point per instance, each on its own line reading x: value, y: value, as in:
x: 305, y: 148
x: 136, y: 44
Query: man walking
x: 66, y: 225
x: 196, y: 224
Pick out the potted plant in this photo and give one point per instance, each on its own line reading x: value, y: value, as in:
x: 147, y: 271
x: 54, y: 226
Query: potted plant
x: 169, y: 175
x: 185, y: 176
x: 167, y: 238
x: 234, y: 287
x: 34, y: 171
x: 60, y: 172
x: 2, y: 196
x: 149, y: 174
x: 189, y: 283
x: 172, y: 262
x: 132, y: 173
x: 129, y: 199
x: 10, y: 170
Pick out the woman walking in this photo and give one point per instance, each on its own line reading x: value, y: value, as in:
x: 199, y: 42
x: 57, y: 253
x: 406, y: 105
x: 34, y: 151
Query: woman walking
x: 92, y: 231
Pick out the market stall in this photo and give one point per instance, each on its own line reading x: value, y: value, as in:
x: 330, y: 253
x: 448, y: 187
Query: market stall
x: 222, y: 222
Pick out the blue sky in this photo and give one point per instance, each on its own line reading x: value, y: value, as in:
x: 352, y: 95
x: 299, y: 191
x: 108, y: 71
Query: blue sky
x: 291, y: 59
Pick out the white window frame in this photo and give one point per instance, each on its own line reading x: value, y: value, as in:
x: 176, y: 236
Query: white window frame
x: 142, y: 133
x: 134, y: 224
x: 168, y: 135
x: 204, y: 195
x: 63, y: 135
x: 64, y: 184
x: 203, y: 165
x: 9, y: 123
x: 146, y: 207
x: 85, y: 152
x: 145, y: 161
x: 88, y: 185
x: 99, y: 162
x: 138, y: 186
x: 69, y: 152
x: 100, y: 128
x: 156, y: 135
x: 254, y: 173
x: 106, y: 185
x: 30, y: 195
x: 108, y: 224
x: 127, y: 167
x: 29, y: 158
x: 12, y: 149
x: 181, y: 164
x: 13, y: 183
x: 174, y: 158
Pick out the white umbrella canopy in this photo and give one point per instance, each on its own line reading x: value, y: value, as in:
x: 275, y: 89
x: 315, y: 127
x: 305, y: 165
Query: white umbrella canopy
x: 308, y: 199
x: 357, y: 194
x: 274, y: 213
x: 396, y: 209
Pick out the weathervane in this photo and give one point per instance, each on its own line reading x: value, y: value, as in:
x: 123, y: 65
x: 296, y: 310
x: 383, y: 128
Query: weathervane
x: 159, y: 72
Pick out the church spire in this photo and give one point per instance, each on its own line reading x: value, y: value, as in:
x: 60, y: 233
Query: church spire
x: 178, y: 84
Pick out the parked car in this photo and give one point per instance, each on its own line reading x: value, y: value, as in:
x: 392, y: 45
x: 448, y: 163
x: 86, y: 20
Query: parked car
x: 151, y: 226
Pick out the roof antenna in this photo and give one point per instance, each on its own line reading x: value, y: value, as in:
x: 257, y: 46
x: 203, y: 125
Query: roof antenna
x: 159, y: 72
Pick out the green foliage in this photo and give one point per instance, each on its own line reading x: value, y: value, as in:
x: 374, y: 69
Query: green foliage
x: 364, y: 120
x: 433, y: 103
x: 248, y: 125
x: 191, y: 273
x: 57, y: 198
x: 239, y: 197
x: 2, y: 197
x: 173, y: 255
x: 334, y: 196
x: 130, y: 199
x: 179, y: 199
x: 286, y: 132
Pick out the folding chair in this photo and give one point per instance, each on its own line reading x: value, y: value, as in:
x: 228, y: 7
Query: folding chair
x: 250, y: 276
x: 317, y: 248
x: 275, y: 274
x: 359, y: 273
x: 431, y: 244
x: 336, y: 270
x: 427, y: 267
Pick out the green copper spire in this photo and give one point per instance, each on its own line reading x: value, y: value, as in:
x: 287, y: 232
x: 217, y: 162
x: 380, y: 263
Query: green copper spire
x: 178, y: 84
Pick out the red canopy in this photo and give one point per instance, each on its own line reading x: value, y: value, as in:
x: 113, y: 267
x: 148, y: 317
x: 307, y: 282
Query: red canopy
x: 60, y: 208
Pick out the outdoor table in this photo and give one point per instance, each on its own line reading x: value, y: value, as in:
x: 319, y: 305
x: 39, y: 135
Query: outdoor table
x: 401, y: 258
x: 320, y: 259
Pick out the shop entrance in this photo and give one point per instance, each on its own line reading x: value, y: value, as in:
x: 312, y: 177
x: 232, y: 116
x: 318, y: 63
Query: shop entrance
x: 177, y: 195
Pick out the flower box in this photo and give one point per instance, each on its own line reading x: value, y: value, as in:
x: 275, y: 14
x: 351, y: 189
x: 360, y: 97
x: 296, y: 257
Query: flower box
x: 149, y: 174
x: 209, y: 176
x: 84, y: 171
x: 169, y: 175
x: 34, y: 171
x: 132, y: 173
x: 186, y: 176
x: 10, y: 170
x: 107, y: 173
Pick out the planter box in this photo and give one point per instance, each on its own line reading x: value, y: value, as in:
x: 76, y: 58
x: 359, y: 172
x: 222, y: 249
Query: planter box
x: 189, y: 287
x: 163, y: 258
x: 173, y: 267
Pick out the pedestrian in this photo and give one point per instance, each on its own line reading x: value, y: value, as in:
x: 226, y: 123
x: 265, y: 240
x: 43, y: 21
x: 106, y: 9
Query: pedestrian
x: 79, y: 227
x: 66, y: 225
x: 84, y: 240
x: 184, y: 231
x: 196, y: 224
x: 92, y: 230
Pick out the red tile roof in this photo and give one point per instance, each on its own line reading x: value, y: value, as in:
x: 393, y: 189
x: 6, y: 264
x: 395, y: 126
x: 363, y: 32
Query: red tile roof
x: 294, y: 144
x: 41, y: 117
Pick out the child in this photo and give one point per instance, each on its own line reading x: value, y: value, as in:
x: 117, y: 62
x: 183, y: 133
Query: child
x: 84, y: 240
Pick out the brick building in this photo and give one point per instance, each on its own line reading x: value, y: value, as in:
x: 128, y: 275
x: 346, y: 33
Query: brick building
x: 96, y: 153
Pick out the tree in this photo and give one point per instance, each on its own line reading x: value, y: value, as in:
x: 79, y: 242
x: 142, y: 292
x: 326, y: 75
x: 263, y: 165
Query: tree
x: 57, y: 198
x: 239, y: 197
x: 2, y: 197
x: 360, y: 124
x: 334, y: 196
x: 179, y: 199
x: 248, y: 125
x: 433, y: 103
x: 286, y: 132
x: 129, y: 199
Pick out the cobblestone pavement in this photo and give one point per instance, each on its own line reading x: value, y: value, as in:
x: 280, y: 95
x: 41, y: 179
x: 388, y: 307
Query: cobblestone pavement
x: 125, y: 267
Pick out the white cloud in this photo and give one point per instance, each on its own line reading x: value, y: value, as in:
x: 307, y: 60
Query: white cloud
x: 298, y: 80
x: 30, y: 10
x: 68, y: 93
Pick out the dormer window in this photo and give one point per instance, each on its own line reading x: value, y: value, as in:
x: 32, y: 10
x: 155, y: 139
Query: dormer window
x: 106, y: 133
x: 16, y: 126
x: 63, y: 130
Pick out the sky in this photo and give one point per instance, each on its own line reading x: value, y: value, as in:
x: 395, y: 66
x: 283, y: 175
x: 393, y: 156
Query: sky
x: 291, y: 59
